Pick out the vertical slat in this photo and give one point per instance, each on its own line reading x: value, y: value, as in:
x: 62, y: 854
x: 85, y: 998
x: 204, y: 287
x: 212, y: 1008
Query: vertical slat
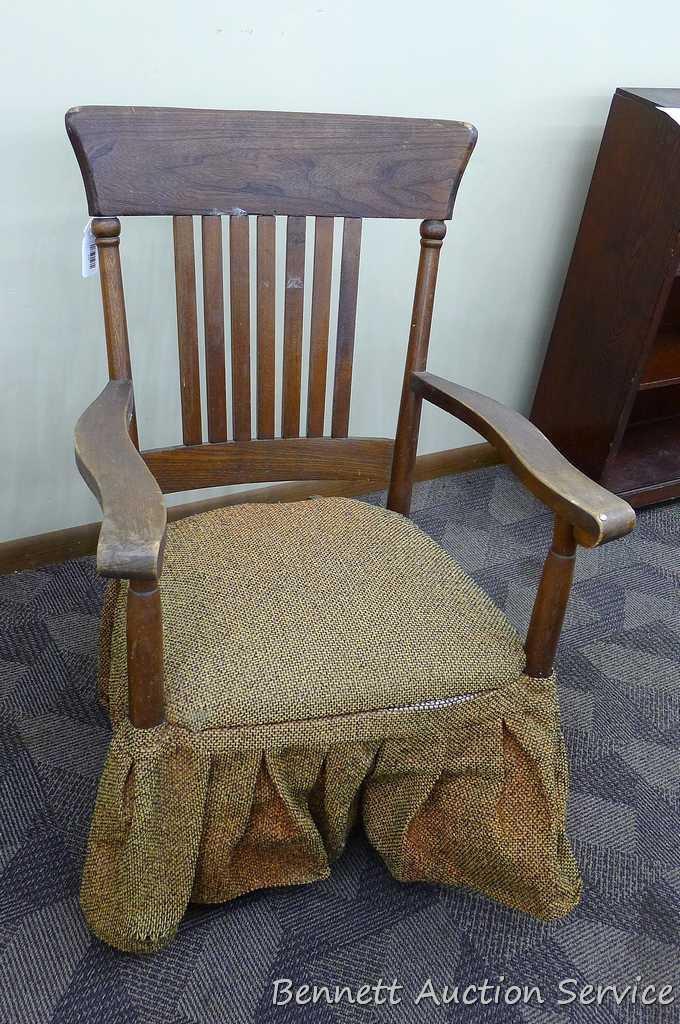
x: 347, y: 313
x: 187, y: 328
x: 292, y: 326
x: 321, y: 308
x: 266, y: 319
x: 239, y: 278
x: 213, y: 319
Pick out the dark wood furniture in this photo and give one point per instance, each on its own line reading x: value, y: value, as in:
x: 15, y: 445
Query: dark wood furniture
x: 609, y: 392
x: 189, y: 163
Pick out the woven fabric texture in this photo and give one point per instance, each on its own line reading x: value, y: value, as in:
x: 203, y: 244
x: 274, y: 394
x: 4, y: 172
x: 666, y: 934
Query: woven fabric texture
x: 320, y: 607
x: 325, y: 661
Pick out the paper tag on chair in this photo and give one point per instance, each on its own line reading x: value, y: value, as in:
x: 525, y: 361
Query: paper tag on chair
x: 90, y: 257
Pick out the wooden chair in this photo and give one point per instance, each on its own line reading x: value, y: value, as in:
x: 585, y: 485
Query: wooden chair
x: 230, y: 164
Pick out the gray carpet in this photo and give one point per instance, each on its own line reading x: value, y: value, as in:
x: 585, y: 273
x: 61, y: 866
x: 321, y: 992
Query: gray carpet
x: 620, y: 696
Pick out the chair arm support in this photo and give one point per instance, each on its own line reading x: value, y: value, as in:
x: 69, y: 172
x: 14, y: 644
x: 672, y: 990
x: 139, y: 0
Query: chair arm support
x: 596, y: 515
x: 132, y: 535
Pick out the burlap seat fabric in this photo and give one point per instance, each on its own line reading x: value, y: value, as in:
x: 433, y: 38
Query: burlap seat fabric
x: 325, y: 660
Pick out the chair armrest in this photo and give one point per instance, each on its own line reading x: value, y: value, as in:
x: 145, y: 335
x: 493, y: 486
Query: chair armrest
x: 132, y: 535
x: 596, y: 515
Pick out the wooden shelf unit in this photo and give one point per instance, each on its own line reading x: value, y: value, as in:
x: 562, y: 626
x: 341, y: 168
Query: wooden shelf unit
x: 609, y: 391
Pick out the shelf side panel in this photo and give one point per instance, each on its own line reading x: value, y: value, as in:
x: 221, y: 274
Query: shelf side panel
x: 624, y: 261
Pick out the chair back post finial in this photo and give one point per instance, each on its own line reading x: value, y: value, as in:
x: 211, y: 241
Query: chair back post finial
x: 106, y: 231
x: 432, y: 233
x: 551, y: 601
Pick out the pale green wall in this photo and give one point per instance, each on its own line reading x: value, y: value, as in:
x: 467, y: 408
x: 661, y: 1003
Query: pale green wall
x: 536, y: 78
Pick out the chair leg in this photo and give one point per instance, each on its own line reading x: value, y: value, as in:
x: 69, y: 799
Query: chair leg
x: 551, y: 601
x: 145, y: 654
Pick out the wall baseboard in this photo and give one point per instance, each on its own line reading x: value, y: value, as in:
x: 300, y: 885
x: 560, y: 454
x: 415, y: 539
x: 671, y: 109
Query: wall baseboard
x: 60, y: 545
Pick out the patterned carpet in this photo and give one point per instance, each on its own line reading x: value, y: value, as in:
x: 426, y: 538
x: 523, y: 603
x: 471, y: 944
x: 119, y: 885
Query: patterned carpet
x: 620, y: 697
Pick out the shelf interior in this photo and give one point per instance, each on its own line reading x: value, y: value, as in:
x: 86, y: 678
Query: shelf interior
x: 649, y: 454
x: 662, y: 367
x: 648, y: 457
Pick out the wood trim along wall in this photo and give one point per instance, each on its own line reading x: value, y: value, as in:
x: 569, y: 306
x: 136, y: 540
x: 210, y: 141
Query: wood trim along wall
x: 60, y: 545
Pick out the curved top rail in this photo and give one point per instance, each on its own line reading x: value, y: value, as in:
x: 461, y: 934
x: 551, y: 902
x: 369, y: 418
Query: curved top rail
x: 165, y: 160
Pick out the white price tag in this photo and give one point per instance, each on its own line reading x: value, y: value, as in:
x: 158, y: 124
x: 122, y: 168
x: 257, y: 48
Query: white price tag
x: 90, y: 257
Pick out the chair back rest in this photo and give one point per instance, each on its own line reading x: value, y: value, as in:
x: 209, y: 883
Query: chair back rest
x: 236, y: 165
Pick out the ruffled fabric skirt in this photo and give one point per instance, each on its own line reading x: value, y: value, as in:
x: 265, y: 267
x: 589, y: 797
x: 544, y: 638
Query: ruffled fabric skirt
x: 466, y: 792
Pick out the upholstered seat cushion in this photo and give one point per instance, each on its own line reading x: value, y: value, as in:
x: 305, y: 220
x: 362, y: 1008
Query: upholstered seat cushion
x: 277, y: 612
x: 324, y: 661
